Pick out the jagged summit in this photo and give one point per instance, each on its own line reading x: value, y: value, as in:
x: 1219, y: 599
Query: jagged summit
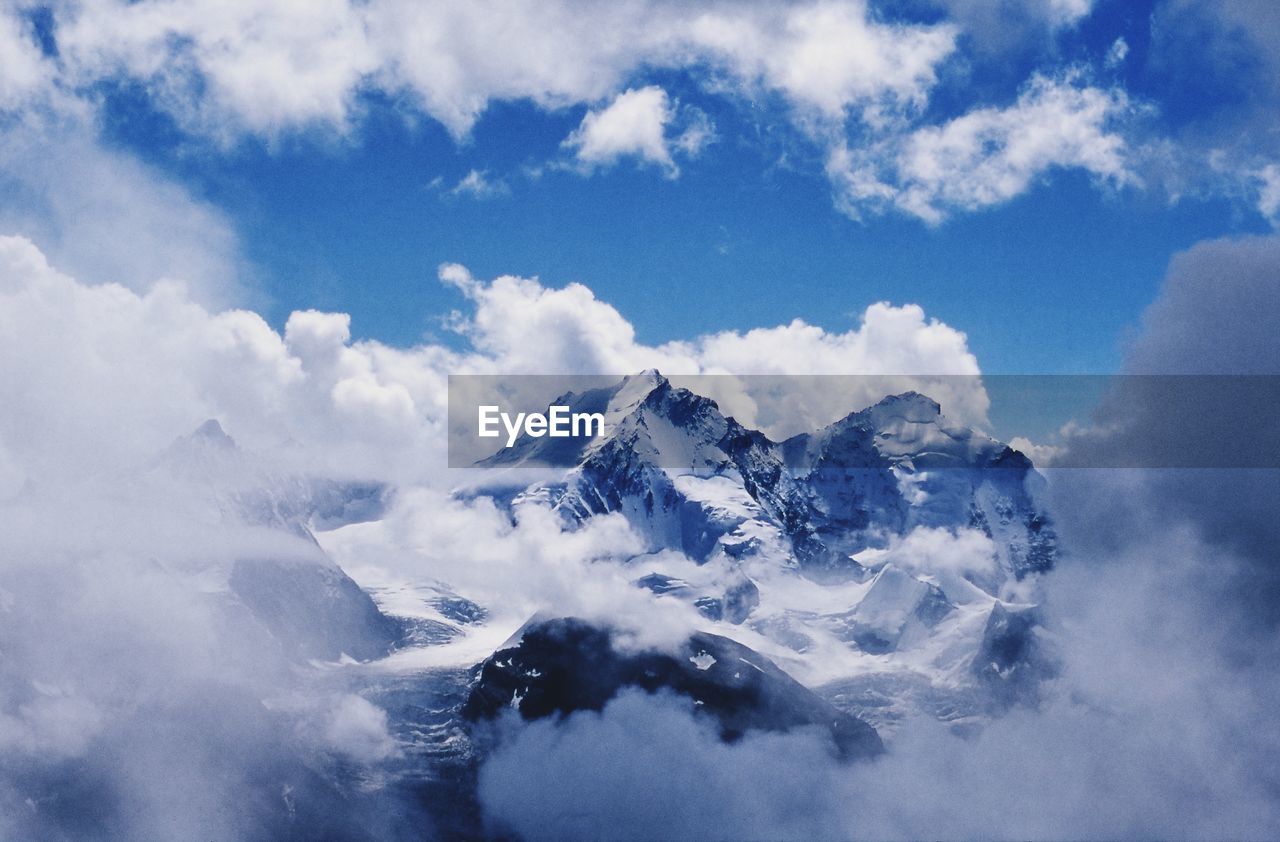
x: 211, y: 431
x: 668, y: 455
x: 911, y: 402
x: 209, y: 437
x: 650, y: 374
x: 204, y: 453
x: 800, y: 541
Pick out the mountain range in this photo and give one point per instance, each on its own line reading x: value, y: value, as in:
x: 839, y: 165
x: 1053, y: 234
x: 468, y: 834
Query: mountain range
x: 878, y: 568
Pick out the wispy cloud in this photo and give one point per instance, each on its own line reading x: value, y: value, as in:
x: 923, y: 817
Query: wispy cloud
x: 476, y: 184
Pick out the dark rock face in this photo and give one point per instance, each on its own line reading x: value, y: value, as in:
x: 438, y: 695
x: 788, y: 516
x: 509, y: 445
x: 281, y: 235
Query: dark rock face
x: 732, y: 602
x: 459, y: 609
x: 566, y: 665
x: 1012, y: 663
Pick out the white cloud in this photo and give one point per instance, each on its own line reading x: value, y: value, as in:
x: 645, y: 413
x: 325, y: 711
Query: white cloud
x: 944, y: 553
x: 479, y: 184
x: 358, y: 728
x: 1117, y: 53
x: 1063, y: 12
x: 25, y: 75
x: 889, y: 340
x: 828, y: 58
x: 633, y: 125
x: 986, y: 156
x: 850, y: 84
x: 222, y: 68
x: 571, y: 330
x: 105, y: 216
x: 111, y: 376
x: 53, y: 723
x: 847, y: 83
x: 698, y: 133
x: 1144, y: 755
x: 575, y: 332
x: 225, y: 67
x: 643, y: 124
x: 518, y: 568
x: 226, y: 70
x: 1269, y: 192
x: 1042, y: 455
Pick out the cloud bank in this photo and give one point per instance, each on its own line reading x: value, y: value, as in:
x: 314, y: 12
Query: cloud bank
x: 1157, y: 725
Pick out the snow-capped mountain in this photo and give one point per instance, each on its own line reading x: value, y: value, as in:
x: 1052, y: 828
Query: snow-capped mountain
x: 690, y: 478
x: 881, y: 567
x: 305, y: 604
x: 823, y: 549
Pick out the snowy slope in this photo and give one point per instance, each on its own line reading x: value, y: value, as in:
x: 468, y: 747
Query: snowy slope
x: 887, y: 550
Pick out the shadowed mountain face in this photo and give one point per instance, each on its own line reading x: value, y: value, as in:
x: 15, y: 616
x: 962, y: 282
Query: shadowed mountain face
x: 314, y: 610
x: 566, y: 665
x: 307, y: 605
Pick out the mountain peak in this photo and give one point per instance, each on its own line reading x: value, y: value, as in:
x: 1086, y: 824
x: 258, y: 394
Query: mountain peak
x: 911, y: 403
x: 648, y: 380
x: 211, y: 432
x: 909, y: 407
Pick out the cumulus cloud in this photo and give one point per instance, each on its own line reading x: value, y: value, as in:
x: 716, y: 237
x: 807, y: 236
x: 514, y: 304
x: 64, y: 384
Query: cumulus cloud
x: 1159, y: 723
x: 634, y: 124
x: 829, y: 59
x: 220, y: 66
x: 877, y: 101
x: 644, y: 769
x: 949, y: 555
x: 1042, y: 455
x: 262, y: 71
x: 576, y: 333
x: 111, y: 376
x: 988, y: 155
x: 891, y: 340
x: 358, y: 729
x: 114, y: 375
x: 518, y: 566
x: 145, y: 689
x: 1200, y: 321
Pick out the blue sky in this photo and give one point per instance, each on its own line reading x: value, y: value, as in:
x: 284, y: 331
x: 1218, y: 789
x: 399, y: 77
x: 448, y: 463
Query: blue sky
x: 751, y: 232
